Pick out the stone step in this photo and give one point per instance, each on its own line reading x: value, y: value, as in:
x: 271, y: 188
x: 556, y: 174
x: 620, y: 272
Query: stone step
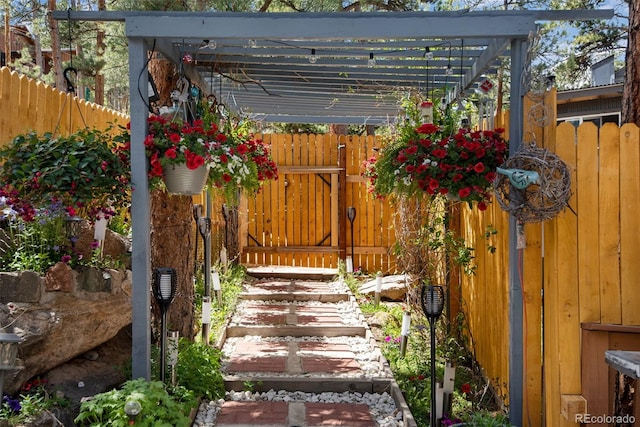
x: 296, y: 331
x: 295, y: 290
x: 300, y: 409
x: 304, y: 357
x: 295, y: 318
x: 293, y: 273
x: 261, y: 383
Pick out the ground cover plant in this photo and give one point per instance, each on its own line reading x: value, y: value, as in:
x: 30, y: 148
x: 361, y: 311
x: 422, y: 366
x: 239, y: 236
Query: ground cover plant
x: 474, y: 400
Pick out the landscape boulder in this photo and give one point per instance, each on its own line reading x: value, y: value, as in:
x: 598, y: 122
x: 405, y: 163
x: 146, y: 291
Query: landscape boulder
x: 394, y: 288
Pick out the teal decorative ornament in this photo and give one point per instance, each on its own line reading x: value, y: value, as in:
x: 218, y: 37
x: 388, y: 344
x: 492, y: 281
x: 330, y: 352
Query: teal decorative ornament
x: 520, y: 178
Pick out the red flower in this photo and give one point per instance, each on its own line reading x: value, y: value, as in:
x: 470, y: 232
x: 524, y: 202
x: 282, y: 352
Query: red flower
x: 171, y: 153
x: 226, y: 177
x: 412, y: 150
x: 478, y: 167
x: 194, y: 161
x: 465, y: 388
x: 427, y: 128
x: 464, y: 192
x: 174, y: 137
x: 482, y: 205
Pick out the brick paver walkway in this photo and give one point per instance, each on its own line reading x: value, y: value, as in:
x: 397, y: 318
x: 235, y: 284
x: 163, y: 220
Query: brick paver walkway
x: 282, y: 303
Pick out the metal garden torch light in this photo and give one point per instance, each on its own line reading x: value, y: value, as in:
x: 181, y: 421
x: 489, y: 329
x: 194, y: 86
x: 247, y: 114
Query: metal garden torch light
x: 72, y: 226
x: 8, y: 354
x: 404, y: 333
x: 204, y: 227
x: 164, y: 289
x: 351, y: 215
x: 432, y: 301
x: 378, y: 290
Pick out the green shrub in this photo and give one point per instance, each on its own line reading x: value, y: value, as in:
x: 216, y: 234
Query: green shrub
x: 198, y: 369
x: 159, y: 407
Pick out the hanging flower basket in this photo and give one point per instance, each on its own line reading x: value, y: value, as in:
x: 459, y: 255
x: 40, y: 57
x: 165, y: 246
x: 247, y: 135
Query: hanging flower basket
x: 179, y: 179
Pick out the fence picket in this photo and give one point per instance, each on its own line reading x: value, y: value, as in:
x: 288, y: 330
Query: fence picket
x: 608, y: 222
x: 629, y: 236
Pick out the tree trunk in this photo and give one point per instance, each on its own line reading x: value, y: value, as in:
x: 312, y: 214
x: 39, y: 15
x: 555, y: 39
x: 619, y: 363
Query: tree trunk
x: 232, y: 240
x: 172, y: 246
x: 631, y: 94
x: 100, y: 48
x: 165, y: 78
x: 338, y: 129
x: 171, y: 224
x: 7, y: 35
x: 56, y: 55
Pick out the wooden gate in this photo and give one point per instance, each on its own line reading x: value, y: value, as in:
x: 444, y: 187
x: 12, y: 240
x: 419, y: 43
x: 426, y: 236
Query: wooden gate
x: 300, y: 219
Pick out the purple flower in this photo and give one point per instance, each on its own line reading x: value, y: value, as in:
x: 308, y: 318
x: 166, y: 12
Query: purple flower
x: 14, y: 404
x: 446, y: 421
x: 95, y: 244
x: 66, y: 258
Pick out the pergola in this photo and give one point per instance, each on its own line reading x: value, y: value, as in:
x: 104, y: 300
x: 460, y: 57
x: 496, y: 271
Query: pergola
x: 341, y: 68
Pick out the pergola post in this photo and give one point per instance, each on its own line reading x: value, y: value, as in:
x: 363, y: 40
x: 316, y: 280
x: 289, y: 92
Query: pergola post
x: 516, y: 354
x: 140, y: 213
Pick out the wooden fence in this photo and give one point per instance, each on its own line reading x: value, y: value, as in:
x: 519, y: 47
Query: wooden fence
x: 580, y: 273
x: 27, y: 105
x: 300, y: 219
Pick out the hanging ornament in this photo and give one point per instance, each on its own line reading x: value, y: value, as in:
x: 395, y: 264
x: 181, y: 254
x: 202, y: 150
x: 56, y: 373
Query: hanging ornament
x: 533, y: 185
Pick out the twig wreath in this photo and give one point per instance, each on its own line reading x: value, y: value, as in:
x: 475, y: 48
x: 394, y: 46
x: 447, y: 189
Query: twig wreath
x: 539, y: 201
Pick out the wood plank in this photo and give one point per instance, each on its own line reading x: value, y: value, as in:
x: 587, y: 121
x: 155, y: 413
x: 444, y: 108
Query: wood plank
x: 532, y: 294
x: 296, y: 331
x: 362, y: 250
x: 611, y: 328
x: 568, y: 324
x: 287, y: 201
x: 296, y: 196
x: 305, y: 212
x: 307, y: 170
x: 311, y: 203
x: 608, y: 221
x: 588, y: 240
x: 342, y: 194
x: 334, y: 210
x: 629, y: 236
x: 322, y: 192
x: 275, y: 207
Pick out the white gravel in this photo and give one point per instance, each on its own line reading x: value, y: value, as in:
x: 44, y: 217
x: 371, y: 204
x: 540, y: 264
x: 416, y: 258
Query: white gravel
x: 382, y: 406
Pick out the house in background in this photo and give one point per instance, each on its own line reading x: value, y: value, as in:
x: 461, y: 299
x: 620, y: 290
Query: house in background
x: 19, y: 38
x: 600, y: 103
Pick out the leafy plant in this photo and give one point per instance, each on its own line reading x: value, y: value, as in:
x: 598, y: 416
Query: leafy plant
x: 236, y: 160
x: 231, y: 281
x: 437, y: 160
x: 35, y: 244
x: 81, y: 170
x: 160, y: 407
x: 198, y: 369
x: 487, y: 419
x: 33, y: 401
